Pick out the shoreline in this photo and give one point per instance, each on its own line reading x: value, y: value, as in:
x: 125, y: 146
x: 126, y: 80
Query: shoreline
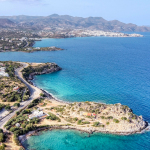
x: 49, y: 95
x: 39, y: 131
x: 57, y: 49
x: 84, y: 129
x: 88, y: 130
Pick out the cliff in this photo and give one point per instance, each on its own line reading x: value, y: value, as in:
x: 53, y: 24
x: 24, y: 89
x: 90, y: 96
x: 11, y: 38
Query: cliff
x: 38, y: 69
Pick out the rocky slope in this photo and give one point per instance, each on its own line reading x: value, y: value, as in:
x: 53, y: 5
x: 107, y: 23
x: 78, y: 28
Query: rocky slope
x: 90, y: 117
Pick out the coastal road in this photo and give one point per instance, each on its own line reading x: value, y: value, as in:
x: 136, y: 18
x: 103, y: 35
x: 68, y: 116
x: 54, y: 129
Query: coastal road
x: 34, y: 93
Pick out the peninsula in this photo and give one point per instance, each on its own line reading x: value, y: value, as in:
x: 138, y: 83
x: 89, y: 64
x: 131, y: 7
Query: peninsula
x: 42, y: 111
x: 23, y: 44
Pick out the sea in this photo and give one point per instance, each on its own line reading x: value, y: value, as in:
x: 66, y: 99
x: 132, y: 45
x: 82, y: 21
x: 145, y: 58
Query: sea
x: 100, y: 69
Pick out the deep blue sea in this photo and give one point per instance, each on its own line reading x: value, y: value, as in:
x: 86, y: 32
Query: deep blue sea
x: 101, y: 69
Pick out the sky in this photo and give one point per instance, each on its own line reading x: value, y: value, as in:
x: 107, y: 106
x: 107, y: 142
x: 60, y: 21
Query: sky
x: 127, y: 11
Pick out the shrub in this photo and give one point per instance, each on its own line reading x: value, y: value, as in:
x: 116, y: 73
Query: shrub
x: 75, y: 119
x: 26, y: 111
x: 23, y: 125
x: 2, y: 147
x: 12, y: 129
x: 110, y: 117
x: 1, y: 130
x: 102, y: 117
x: 59, y: 109
x: 129, y: 120
x: 42, y: 95
x: 124, y: 118
x: 9, y: 122
x: 7, y: 107
x: 96, y: 124
x: 34, y: 120
x: 53, y: 117
x: 86, y: 122
x: 31, y: 105
x: 17, y: 104
x: 80, y: 109
x: 17, y: 113
x: 134, y: 116
x: 34, y: 103
x: 2, y: 137
x: 18, y: 132
x: 107, y: 123
x: 116, y: 120
x: 79, y: 122
x: 7, y: 127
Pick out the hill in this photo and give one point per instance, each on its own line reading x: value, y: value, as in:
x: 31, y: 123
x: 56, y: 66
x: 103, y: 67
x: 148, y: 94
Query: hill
x: 69, y: 22
x: 6, y: 23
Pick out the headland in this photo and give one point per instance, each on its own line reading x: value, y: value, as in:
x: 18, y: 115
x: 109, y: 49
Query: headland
x: 42, y: 111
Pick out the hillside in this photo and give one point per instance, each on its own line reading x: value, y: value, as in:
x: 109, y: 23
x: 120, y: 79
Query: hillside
x: 6, y: 23
x: 69, y: 22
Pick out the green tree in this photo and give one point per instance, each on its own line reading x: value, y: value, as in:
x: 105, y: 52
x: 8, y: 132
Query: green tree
x: 2, y: 137
x: 17, y: 104
x: 7, y: 107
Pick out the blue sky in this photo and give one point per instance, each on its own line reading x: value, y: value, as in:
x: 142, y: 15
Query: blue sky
x: 128, y: 11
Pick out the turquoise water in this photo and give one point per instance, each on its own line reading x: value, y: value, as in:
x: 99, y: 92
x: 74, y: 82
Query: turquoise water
x: 74, y: 140
x: 102, y: 69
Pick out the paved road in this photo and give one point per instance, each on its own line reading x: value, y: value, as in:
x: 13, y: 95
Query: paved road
x: 34, y: 92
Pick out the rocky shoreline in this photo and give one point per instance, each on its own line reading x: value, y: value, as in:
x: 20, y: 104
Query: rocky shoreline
x: 46, y: 71
x: 37, y: 132
x: 31, y: 50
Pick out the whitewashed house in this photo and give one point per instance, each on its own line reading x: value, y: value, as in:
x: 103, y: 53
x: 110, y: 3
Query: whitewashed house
x: 36, y: 114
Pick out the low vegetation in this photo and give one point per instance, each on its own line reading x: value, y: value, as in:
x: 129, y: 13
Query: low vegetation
x: 3, y: 138
x: 7, y: 85
x: 53, y: 117
x: 116, y: 120
x: 24, y: 125
x: 35, y: 102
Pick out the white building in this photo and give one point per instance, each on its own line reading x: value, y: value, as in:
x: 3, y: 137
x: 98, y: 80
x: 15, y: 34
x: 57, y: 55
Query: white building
x: 3, y: 73
x: 36, y: 114
x: 37, y: 48
x: 23, y: 39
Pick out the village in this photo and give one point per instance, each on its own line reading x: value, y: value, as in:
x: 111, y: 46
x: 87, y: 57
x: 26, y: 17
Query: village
x: 63, y: 33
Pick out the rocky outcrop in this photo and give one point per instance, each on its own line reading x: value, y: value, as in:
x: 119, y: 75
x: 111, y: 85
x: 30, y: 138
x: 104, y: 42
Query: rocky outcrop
x: 97, y: 117
x: 52, y: 67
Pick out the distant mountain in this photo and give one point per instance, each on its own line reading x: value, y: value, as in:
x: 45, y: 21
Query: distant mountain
x: 69, y: 22
x: 6, y: 23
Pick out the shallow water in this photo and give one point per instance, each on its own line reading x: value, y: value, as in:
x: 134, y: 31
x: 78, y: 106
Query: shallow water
x: 102, y: 69
x: 74, y: 140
